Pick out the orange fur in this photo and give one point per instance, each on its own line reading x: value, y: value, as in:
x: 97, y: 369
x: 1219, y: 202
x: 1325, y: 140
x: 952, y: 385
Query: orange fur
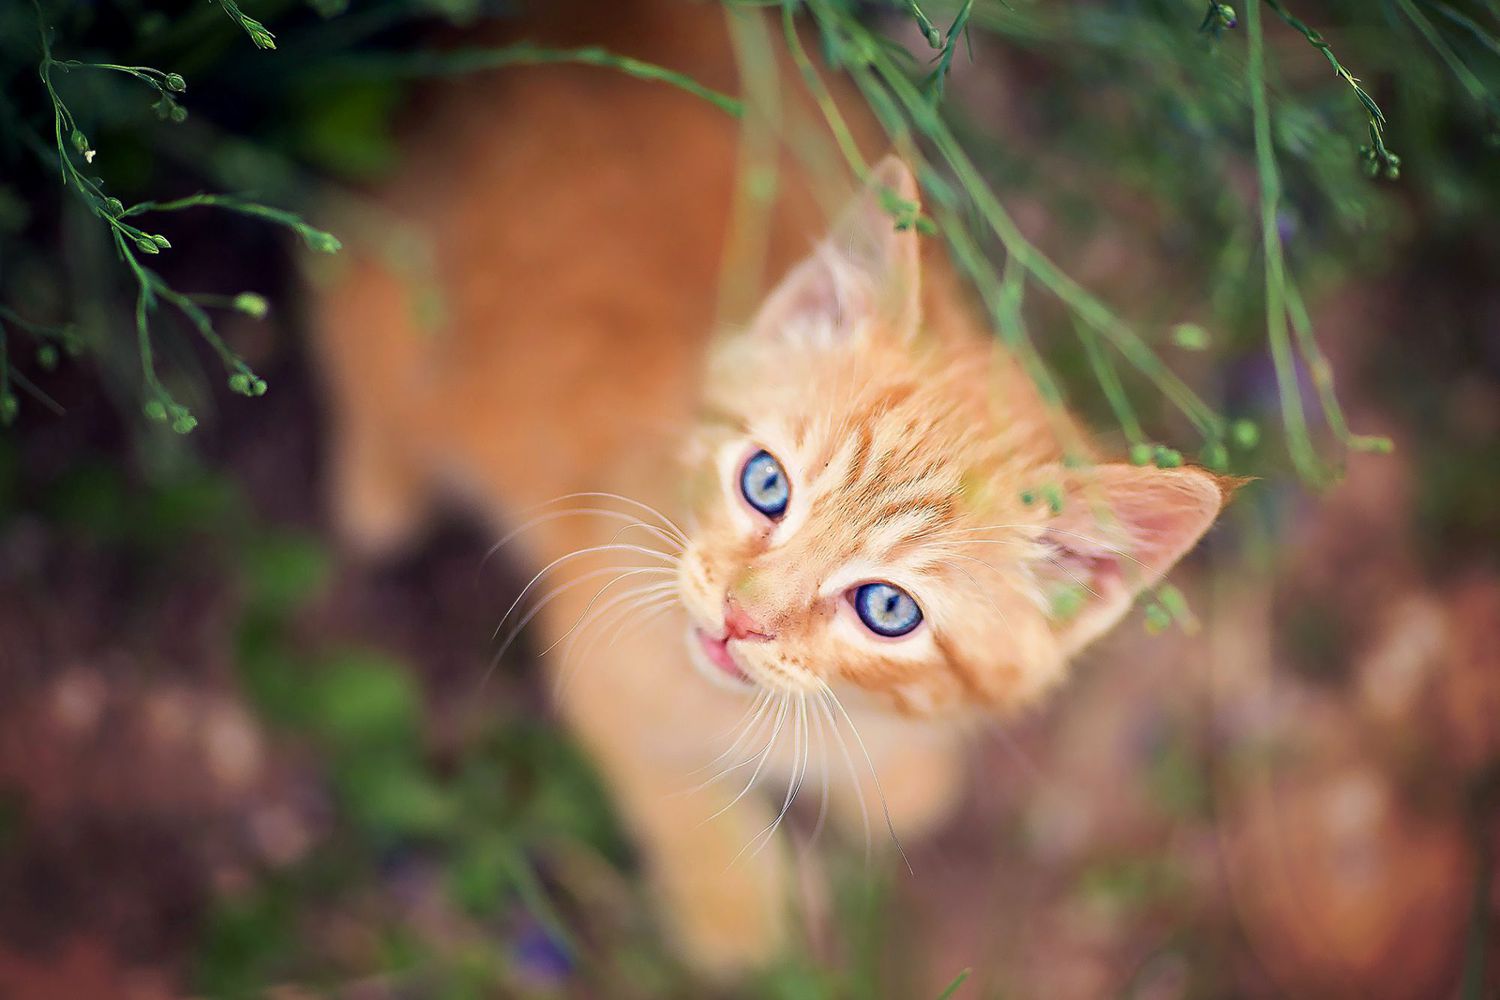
x: 578, y: 221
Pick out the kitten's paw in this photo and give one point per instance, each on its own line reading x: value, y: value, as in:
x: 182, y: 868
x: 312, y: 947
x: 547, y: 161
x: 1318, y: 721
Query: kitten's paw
x: 378, y: 507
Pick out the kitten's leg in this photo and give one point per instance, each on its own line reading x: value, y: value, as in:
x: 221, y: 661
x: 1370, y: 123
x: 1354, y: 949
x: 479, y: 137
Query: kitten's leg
x: 725, y: 905
x: 378, y: 499
x: 369, y: 352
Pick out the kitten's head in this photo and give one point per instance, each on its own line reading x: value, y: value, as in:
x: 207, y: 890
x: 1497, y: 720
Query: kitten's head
x: 879, y: 500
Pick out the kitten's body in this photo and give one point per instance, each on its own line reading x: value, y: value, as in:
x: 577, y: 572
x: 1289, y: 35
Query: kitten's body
x: 579, y: 220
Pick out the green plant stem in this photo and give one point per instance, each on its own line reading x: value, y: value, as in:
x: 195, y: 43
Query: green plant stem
x: 316, y: 239
x: 1109, y: 380
x: 1429, y: 32
x: 462, y: 61
x: 842, y: 135
x: 1299, y: 444
x: 872, y: 59
x: 1372, y: 110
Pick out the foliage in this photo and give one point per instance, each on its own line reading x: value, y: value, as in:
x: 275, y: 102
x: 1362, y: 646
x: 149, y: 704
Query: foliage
x: 1201, y: 103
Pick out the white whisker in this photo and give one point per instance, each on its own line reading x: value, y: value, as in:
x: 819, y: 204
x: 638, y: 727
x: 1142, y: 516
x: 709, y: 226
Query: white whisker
x: 612, y: 547
x: 856, y: 785
x: 875, y: 777
x: 765, y: 756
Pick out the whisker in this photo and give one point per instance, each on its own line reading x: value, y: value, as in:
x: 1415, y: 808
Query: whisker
x: 621, y: 605
x: 558, y: 591
x: 551, y: 596
x: 612, y: 547
x: 555, y: 515
x: 749, y: 719
x: 856, y: 785
x: 663, y: 586
x: 875, y: 777
x: 666, y: 521
x: 765, y: 756
x: 823, y: 767
x: 793, y: 784
x: 645, y: 612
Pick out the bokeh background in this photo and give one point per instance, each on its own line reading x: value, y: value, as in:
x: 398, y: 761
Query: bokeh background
x: 235, y: 761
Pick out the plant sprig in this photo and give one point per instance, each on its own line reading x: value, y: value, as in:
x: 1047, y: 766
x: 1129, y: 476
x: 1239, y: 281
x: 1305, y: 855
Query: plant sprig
x: 131, y: 240
x: 1379, y: 160
x: 259, y: 33
x: 1283, y: 304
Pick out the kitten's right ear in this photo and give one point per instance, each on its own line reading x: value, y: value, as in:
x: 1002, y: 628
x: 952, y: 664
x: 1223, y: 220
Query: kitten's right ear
x: 865, y: 271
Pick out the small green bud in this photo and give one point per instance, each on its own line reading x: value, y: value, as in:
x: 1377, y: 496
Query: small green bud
x: 1067, y: 603
x: 251, y: 304
x: 1245, y: 433
x: 184, y: 423
x: 161, y: 241
x: 1374, y: 443
x: 1190, y: 336
x: 1176, y: 604
x: 155, y: 410
x: 175, y: 82
x: 80, y: 141
x: 257, y: 387
x: 114, y: 206
x: 178, y: 114
x: 240, y: 382
x: 319, y: 241
x: 1167, y: 458
x: 8, y: 409
x: 1140, y: 454
x: 1157, y: 619
x: 147, y: 245
x: 46, y: 357
x: 1215, y: 456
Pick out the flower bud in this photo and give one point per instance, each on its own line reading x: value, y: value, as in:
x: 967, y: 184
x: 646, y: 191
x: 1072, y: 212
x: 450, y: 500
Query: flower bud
x: 251, y: 304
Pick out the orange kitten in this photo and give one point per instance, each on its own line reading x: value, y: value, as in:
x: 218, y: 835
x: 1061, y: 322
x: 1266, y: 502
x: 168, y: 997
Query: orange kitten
x: 822, y: 534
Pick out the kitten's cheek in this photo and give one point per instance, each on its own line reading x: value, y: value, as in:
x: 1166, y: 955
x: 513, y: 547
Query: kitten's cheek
x: 695, y: 590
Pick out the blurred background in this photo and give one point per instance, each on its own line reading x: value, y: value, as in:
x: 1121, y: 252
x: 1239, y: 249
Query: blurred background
x: 236, y: 762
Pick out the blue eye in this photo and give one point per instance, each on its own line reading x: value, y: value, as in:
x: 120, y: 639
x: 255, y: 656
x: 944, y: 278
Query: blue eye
x: 886, y: 610
x: 764, y: 485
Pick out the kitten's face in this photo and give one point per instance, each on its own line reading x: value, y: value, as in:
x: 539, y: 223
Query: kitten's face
x: 868, y: 509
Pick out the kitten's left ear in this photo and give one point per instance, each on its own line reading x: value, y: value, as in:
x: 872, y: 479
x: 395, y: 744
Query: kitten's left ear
x: 865, y: 271
x: 1119, y: 530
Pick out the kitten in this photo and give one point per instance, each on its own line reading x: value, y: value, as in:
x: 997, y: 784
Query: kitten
x: 834, y: 533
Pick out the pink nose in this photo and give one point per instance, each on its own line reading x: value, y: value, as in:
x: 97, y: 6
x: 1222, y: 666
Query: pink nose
x: 739, y: 625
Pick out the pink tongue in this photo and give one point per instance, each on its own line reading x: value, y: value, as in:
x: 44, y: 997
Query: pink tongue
x: 718, y: 652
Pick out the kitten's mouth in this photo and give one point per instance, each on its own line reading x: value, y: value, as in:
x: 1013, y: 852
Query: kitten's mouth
x: 712, y: 655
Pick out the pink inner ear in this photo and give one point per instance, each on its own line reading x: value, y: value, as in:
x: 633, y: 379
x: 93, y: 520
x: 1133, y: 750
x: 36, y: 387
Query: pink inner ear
x: 865, y: 269
x: 1121, y: 528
